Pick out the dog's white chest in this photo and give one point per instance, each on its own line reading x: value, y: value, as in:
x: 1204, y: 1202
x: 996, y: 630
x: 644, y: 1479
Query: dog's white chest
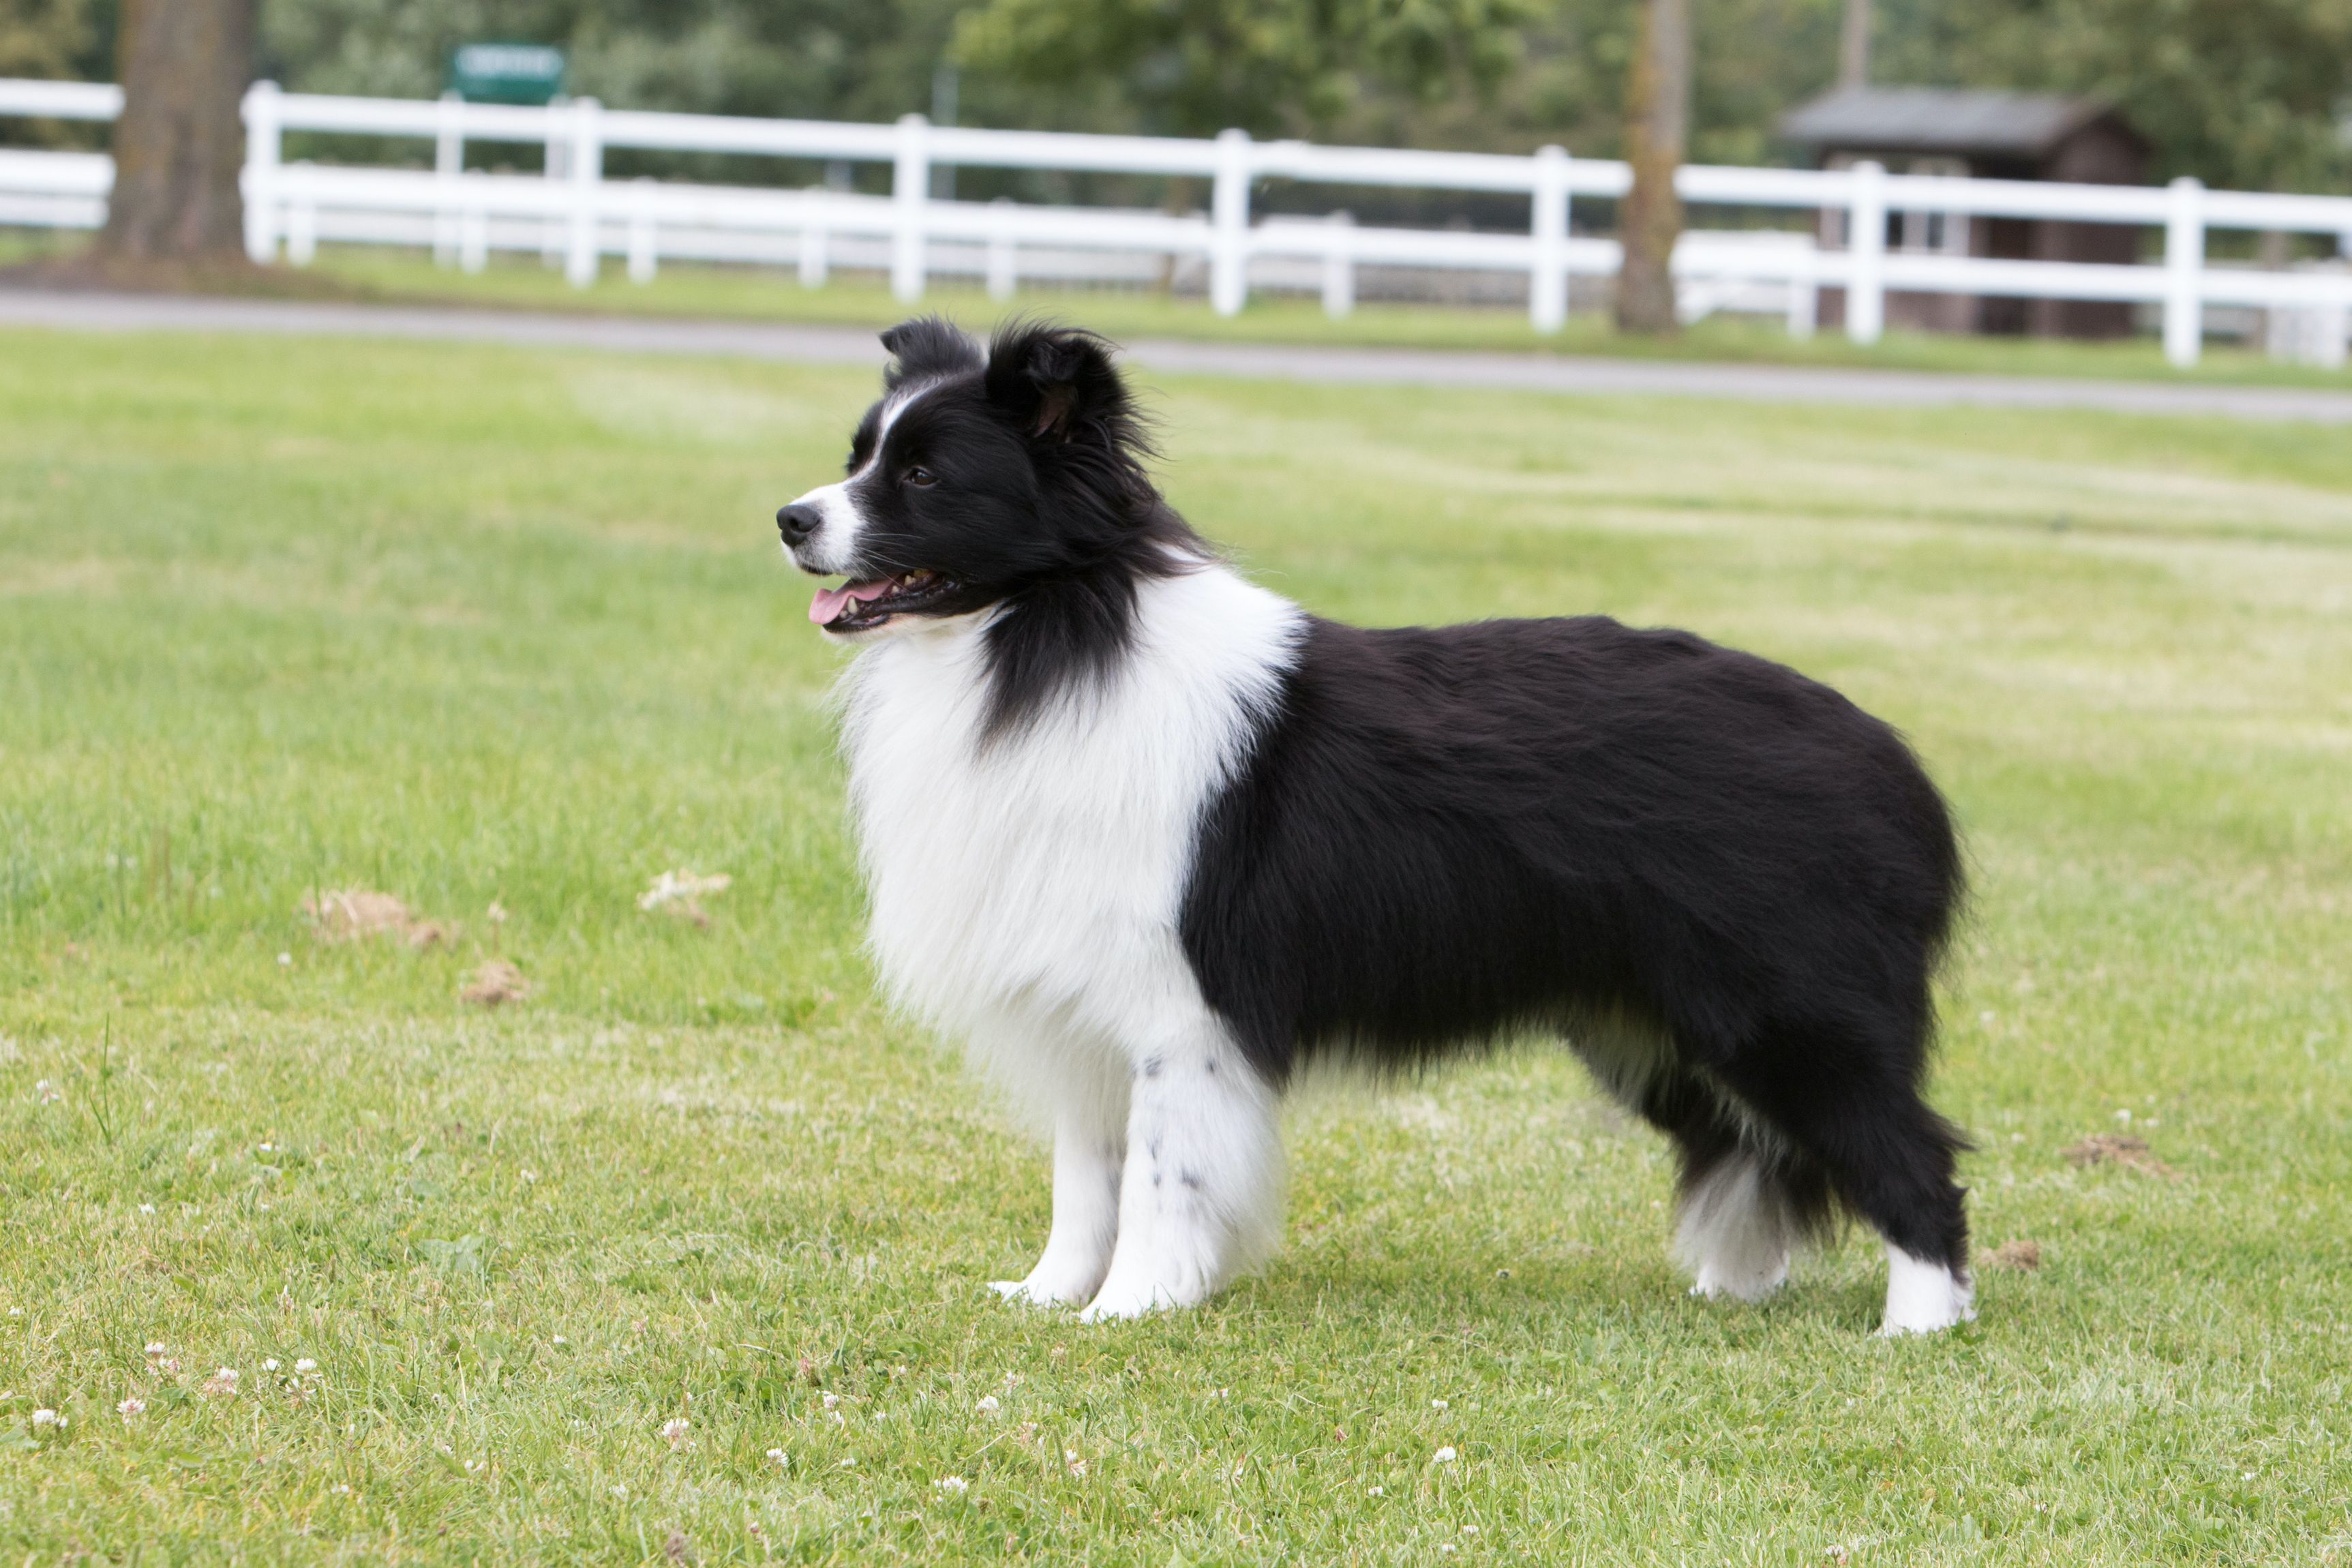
x: 1044, y: 872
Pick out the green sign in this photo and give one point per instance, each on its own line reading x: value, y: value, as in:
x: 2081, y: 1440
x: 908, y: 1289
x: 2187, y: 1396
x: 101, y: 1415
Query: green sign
x: 506, y: 73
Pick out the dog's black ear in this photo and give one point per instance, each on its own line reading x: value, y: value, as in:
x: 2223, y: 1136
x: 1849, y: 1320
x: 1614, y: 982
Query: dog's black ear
x: 1059, y: 385
x: 926, y: 346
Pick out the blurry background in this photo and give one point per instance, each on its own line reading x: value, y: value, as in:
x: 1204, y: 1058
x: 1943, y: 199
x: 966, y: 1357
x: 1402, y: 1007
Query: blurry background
x: 2249, y: 94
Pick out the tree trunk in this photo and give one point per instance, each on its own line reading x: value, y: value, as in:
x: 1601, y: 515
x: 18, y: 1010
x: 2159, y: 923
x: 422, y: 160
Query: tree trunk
x: 178, y: 144
x: 1853, y: 44
x: 1657, y: 124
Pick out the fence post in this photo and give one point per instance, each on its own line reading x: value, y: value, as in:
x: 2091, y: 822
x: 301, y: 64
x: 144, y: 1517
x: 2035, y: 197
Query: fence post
x: 1229, y: 225
x: 1339, y: 269
x: 261, y: 150
x: 2184, y: 262
x: 911, y: 188
x: 643, y: 247
x: 1865, y: 248
x: 448, y: 165
x: 587, y: 172
x: 1804, y: 294
x: 1003, y: 256
x: 813, y: 256
x: 1547, y: 283
x: 302, y: 217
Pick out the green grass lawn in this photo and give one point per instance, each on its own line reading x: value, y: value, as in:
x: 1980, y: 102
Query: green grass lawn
x: 481, y: 625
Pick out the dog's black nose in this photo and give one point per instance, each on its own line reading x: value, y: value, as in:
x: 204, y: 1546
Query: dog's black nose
x: 796, y: 523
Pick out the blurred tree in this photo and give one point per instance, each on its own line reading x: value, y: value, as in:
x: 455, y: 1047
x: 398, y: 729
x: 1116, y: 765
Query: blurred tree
x: 54, y: 40
x: 1657, y: 129
x: 178, y: 143
x: 1194, y: 67
x: 2246, y: 93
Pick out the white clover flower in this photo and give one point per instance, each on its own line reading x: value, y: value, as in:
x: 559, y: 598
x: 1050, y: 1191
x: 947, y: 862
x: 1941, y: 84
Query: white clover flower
x: 134, y: 1405
x: 156, y: 1347
x: 954, y: 1486
x: 1376, y: 1491
x: 146, y: 1208
x: 674, y: 1430
x: 832, y: 1402
x: 1437, y: 1404
x: 47, y: 1418
x: 1446, y: 1455
x: 306, y: 1366
x: 285, y: 961
x: 1469, y: 1529
x: 848, y: 1464
x: 780, y: 1457
x: 270, y: 1365
x: 988, y: 1404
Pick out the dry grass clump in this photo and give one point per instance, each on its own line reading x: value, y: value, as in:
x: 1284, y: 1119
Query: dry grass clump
x: 2119, y: 1149
x: 354, y: 914
x: 497, y: 981
x: 2019, y: 1256
x: 679, y: 893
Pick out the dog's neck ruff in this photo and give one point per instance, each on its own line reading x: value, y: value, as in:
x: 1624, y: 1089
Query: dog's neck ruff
x: 1039, y: 871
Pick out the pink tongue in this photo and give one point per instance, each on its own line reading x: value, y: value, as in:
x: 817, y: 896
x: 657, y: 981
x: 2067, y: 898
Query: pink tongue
x: 826, y: 608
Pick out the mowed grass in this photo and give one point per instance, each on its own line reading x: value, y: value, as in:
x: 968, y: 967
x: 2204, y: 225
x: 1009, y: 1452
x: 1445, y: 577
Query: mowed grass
x: 479, y: 627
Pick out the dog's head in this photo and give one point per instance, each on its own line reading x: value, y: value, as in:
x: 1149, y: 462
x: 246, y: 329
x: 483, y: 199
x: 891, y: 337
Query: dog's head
x: 976, y: 476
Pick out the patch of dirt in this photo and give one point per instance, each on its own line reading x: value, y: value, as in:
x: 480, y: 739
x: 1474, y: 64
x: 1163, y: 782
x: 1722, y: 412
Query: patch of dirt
x: 494, y: 984
x: 2011, y: 1257
x: 2120, y: 1149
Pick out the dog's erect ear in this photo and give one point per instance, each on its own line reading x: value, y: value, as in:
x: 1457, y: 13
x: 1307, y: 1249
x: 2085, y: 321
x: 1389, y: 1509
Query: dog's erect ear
x: 926, y: 346
x: 1058, y: 383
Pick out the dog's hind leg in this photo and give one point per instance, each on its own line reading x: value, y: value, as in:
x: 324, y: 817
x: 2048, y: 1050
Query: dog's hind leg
x: 1202, y: 1195
x: 1857, y: 1114
x: 1087, y: 1094
x: 1747, y: 1201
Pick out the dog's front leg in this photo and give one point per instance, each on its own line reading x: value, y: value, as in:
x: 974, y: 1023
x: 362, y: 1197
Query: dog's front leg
x: 1202, y: 1195
x: 1089, y: 1147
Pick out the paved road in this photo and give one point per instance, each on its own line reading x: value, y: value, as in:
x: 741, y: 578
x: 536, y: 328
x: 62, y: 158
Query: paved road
x: 1369, y: 366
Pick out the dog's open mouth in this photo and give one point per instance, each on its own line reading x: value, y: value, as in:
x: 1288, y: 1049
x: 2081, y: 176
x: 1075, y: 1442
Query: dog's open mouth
x: 861, y: 606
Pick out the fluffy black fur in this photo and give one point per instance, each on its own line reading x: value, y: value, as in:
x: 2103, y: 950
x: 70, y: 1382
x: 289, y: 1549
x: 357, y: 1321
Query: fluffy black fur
x: 1728, y: 885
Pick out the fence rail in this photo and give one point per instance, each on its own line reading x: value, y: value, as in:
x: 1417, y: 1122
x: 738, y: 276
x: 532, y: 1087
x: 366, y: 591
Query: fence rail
x: 574, y: 213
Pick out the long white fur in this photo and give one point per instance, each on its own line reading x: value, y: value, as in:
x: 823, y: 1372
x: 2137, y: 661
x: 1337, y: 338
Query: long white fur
x: 1026, y: 896
x: 1735, y: 1232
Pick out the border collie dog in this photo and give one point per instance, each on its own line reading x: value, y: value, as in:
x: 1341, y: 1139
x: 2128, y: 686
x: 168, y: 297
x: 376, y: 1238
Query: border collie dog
x: 1150, y: 839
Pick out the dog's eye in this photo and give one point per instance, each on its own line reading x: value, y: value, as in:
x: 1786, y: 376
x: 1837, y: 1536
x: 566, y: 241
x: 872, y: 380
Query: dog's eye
x: 922, y: 479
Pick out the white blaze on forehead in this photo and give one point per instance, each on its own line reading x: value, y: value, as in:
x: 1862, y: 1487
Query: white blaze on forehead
x: 834, y: 546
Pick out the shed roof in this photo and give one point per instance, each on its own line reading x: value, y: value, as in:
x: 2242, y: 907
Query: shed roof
x: 1941, y: 120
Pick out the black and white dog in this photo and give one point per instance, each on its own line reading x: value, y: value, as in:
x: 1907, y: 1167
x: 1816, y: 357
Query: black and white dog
x: 1150, y: 838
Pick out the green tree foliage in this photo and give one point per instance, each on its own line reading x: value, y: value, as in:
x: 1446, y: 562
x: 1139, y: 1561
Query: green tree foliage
x: 859, y: 59
x: 1194, y: 66
x: 2238, y: 92
x: 2253, y: 94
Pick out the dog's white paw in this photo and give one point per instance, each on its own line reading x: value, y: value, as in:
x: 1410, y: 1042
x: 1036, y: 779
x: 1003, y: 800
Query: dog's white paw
x: 1136, y: 1297
x: 1924, y: 1298
x: 1041, y: 1289
x: 1752, y: 1283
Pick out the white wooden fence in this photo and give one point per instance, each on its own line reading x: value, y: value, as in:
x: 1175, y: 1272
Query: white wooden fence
x: 574, y: 214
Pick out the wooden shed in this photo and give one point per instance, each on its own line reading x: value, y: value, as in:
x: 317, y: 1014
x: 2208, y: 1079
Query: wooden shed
x: 1985, y: 135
